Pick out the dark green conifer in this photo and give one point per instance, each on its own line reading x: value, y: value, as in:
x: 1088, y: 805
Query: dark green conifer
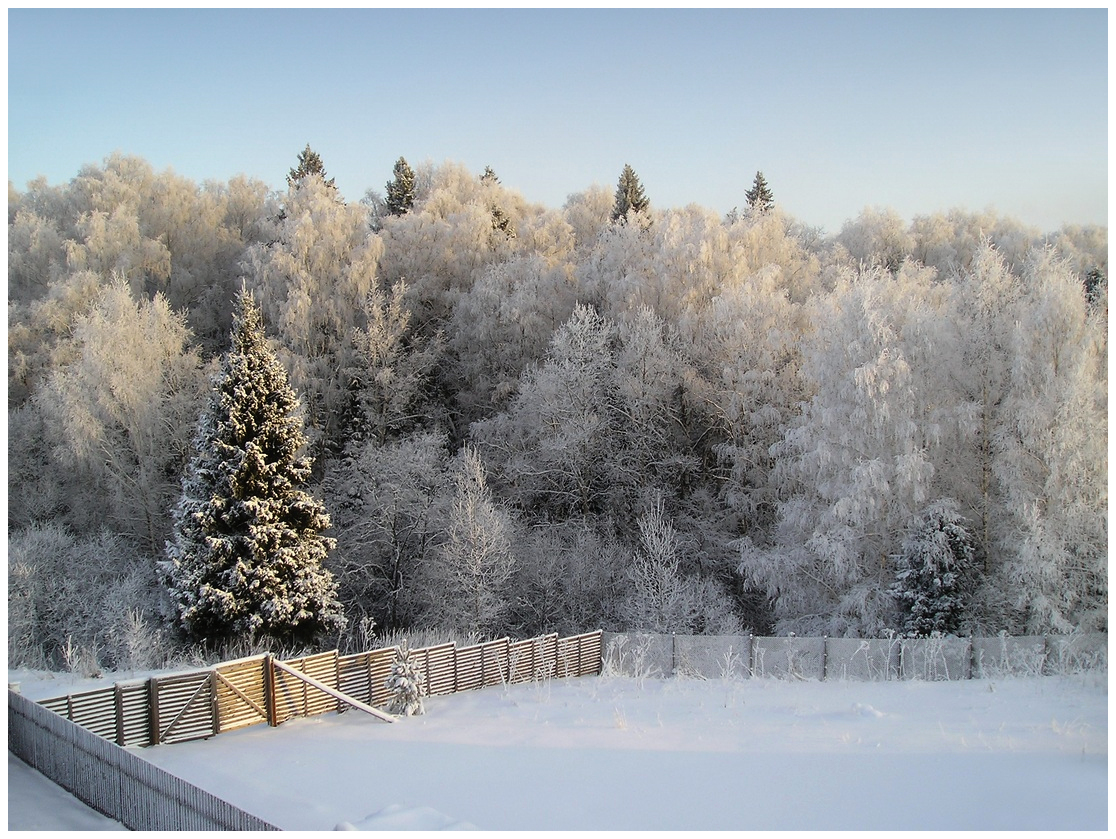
x: 401, y: 189
x: 629, y: 195
x: 309, y: 163
x: 247, y: 559
x: 760, y: 198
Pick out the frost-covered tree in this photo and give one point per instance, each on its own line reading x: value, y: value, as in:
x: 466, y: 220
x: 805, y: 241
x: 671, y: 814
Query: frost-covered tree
x: 751, y: 387
x: 502, y: 325
x: 311, y: 281
x: 387, y: 501
x: 604, y: 418
x: 309, y: 163
x: 118, y: 415
x: 630, y: 197
x: 857, y: 462
x: 247, y: 557
x: 877, y: 237
x: 392, y: 369
x: 933, y: 577
x: 662, y: 598
x: 400, y: 197
x: 556, y: 443
x: 588, y: 213
x: 446, y: 241
x: 1051, y: 459
x: 95, y: 597
x: 466, y: 581
x: 760, y: 198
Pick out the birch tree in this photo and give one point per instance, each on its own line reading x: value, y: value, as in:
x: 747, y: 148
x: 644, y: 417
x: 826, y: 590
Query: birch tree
x: 857, y: 464
x: 119, y: 415
x: 311, y: 284
x: 1052, y: 458
x: 466, y: 582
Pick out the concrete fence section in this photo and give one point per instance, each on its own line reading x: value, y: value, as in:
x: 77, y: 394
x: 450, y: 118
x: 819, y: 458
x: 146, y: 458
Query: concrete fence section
x: 858, y: 659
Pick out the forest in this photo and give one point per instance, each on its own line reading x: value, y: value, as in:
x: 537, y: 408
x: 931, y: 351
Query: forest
x: 519, y: 419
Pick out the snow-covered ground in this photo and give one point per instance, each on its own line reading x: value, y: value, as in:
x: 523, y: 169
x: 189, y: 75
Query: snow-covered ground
x: 619, y: 753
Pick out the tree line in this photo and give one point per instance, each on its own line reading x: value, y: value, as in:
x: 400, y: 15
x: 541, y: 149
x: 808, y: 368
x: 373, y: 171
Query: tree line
x: 509, y: 418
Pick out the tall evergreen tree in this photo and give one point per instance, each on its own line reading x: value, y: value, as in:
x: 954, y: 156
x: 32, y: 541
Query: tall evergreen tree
x: 401, y: 189
x: 629, y: 195
x: 760, y: 197
x: 309, y: 163
x: 247, y: 557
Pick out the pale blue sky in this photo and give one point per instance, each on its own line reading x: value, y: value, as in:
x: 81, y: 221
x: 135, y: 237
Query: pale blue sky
x: 919, y: 111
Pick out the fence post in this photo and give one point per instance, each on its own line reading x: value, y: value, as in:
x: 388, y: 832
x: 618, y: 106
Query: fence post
x: 269, y: 690
x: 118, y: 702
x: 825, y: 655
x: 153, y: 714
x: 455, y: 667
x: 213, y: 703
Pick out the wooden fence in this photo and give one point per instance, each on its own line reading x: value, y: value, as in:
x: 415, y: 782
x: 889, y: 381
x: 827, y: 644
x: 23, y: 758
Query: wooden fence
x: 859, y: 659
x: 111, y: 779
x: 249, y: 691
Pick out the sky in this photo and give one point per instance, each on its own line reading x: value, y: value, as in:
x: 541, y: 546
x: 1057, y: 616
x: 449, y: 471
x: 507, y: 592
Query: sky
x: 919, y: 111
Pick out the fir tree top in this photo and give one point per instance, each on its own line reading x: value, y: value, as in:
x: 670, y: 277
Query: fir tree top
x: 401, y: 189
x: 629, y: 195
x: 760, y: 198
x: 309, y: 163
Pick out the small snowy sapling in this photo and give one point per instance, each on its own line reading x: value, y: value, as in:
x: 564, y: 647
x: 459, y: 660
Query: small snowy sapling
x: 406, y: 685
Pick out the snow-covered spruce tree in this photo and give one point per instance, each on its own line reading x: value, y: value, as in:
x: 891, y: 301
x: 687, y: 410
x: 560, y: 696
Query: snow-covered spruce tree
x: 247, y: 557
x: 934, y: 573
x: 401, y: 189
x: 405, y: 684
x: 309, y: 163
x: 760, y: 197
x: 630, y: 197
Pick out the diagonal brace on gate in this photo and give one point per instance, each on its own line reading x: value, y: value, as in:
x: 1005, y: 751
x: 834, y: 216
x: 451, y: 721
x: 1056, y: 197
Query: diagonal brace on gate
x: 336, y: 694
x: 243, y: 696
x: 207, y: 686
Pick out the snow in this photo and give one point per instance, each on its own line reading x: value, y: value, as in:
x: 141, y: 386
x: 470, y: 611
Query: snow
x: 623, y: 753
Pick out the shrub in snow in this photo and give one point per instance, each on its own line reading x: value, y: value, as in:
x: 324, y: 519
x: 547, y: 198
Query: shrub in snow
x: 932, y: 577
x: 405, y: 683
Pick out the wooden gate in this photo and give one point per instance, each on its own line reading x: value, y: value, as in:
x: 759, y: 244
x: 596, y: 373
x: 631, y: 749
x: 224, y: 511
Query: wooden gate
x: 241, y: 688
x: 182, y: 707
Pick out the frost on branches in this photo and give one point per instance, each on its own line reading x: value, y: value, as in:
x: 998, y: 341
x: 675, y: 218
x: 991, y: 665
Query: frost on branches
x: 247, y: 557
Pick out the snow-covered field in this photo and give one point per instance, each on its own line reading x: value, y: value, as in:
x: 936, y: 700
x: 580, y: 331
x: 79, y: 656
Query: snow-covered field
x: 619, y: 753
